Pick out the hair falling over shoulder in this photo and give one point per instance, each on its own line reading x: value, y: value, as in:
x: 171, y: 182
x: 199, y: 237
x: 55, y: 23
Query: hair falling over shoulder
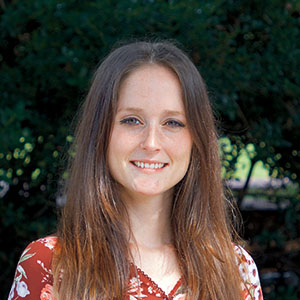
x: 93, y: 256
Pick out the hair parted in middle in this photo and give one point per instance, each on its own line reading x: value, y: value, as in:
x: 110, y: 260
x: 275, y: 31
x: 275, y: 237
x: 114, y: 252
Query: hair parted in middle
x: 93, y: 232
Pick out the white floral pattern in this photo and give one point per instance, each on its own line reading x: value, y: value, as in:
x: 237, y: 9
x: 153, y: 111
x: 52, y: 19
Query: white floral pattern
x: 22, y: 289
x: 248, y: 270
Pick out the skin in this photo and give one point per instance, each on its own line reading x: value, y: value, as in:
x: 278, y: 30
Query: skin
x: 150, y: 127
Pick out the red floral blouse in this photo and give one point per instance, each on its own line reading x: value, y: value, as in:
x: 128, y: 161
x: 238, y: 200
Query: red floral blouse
x: 34, y: 281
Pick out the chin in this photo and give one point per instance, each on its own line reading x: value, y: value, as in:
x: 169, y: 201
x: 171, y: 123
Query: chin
x: 149, y: 192
x: 152, y: 192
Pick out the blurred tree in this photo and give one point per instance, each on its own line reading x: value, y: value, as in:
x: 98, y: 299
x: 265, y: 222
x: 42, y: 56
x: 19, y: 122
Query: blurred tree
x: 247, y: 51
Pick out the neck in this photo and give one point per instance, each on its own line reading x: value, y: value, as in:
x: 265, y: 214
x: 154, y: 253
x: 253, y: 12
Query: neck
x: 149, y: 218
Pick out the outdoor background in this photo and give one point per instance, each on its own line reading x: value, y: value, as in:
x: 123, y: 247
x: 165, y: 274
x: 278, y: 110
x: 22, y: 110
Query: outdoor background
x: 249, y: 55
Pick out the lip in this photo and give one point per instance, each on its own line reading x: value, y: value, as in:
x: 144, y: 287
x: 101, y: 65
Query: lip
x: 148, y: 162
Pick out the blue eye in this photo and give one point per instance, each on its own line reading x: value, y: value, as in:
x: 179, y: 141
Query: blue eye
x: 174, y: 124
x: 130, y: 121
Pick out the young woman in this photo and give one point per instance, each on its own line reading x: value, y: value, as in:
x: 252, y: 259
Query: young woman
x: 145, y: 216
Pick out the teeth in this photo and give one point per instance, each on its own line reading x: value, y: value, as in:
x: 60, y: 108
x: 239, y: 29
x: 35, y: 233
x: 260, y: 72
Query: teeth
x: 148, y: 166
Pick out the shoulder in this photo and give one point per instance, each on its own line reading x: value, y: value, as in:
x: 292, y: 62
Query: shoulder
x: 47, y: 243
x: 249, y: 274
x: 33, y: 275
x: 38, y: 254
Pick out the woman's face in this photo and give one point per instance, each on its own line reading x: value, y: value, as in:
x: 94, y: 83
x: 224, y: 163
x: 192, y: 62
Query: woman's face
x: 150, y: 146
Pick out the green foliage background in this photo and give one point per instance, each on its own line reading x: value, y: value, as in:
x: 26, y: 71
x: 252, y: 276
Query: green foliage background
x: 247, y: 51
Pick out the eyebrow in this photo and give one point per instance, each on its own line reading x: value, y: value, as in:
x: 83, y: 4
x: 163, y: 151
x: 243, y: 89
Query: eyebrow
x: 130, y: 109
x: 138, y: 110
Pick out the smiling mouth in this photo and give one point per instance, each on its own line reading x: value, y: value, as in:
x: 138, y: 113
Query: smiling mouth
x: 143, y: 165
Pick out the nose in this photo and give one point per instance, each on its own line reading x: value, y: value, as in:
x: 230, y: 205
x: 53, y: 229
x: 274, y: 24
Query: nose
x: 151, y: 139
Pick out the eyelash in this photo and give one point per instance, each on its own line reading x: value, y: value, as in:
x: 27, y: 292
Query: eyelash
x: 174, y: 123
x: 132, y: 121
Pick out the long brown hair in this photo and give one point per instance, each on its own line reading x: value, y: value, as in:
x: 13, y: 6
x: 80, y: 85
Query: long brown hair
x: 93, y: 249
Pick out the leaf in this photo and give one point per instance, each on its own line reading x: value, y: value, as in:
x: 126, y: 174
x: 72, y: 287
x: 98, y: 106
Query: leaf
x: 25, y: 257
x: 21, y: 270
x: 25, y: 251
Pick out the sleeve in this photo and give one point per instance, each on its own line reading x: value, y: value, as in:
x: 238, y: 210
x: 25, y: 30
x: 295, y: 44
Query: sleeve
x: 33, y: 277
x: 251, y: 284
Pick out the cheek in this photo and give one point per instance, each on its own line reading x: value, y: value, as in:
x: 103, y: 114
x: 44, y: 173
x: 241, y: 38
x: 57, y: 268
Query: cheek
x: 182, y: 147
x: 113, y: 152
x: 116, y: 141
x: 119, y: 147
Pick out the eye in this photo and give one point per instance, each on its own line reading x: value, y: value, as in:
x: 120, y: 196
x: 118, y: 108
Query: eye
x: 131, y: 121
x: 174, y: 124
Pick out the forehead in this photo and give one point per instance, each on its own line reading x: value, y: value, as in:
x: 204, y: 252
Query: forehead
x: 151, y: 84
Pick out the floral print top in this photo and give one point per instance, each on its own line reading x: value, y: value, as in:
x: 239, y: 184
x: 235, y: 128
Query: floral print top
x: 34, y: 281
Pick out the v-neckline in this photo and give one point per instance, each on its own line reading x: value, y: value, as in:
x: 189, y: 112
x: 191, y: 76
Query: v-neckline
x: 164, y: 295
